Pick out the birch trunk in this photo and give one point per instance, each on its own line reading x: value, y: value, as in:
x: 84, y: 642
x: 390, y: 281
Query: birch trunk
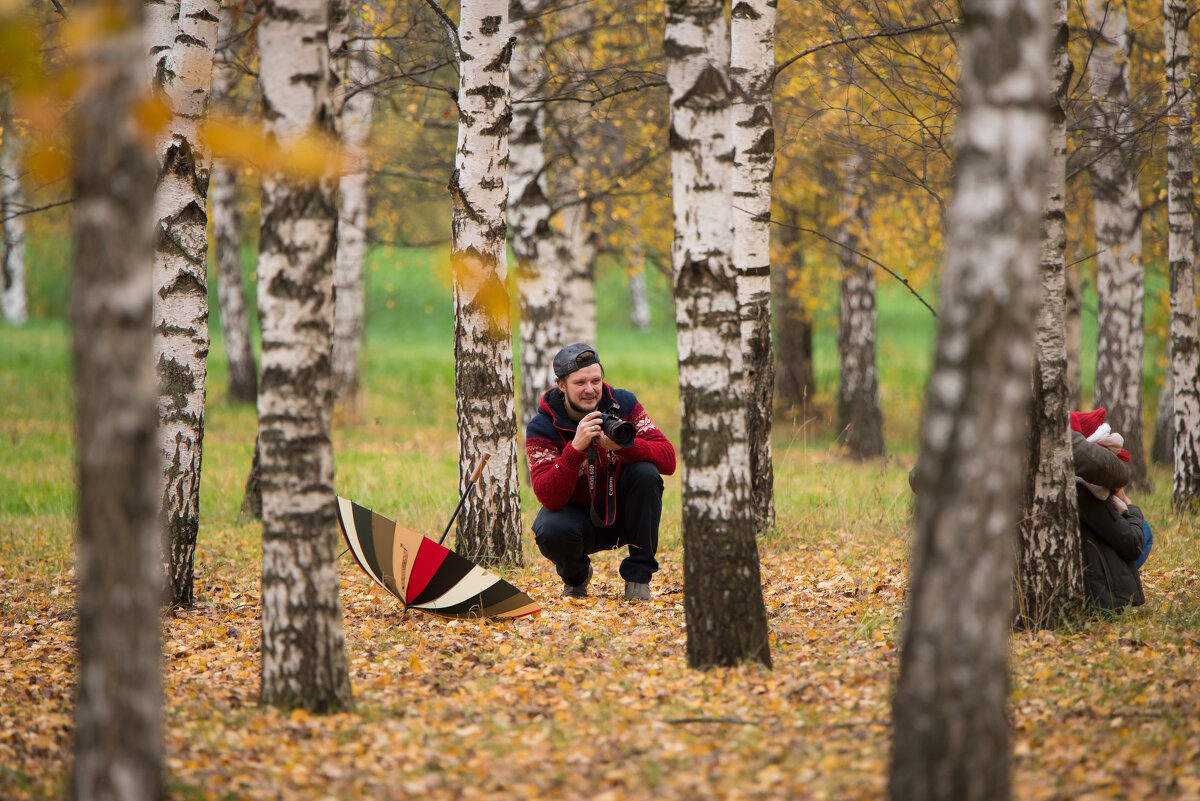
x: 1162, y: 444
x: 723, y: 602
x: 950, y: 718
x: 489, y: 526
x: 1120, y: 282
x: 303, y: 649
x: 181, y: 36
x: 1049, y: 583
x: 118, y: 705
x: 796, y: 383
x: 14, y: 301
x: 355, y: 119
x: 1074, y: 323
x: 1185, y: 352
x: 575, y: 237
x: 639, y: 295
x: 751, y: 65
x: 227, y: 232
x: 538, y: 279
x: 860, y: 419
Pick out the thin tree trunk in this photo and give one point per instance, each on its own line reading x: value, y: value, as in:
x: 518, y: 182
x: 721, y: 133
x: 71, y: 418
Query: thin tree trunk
x: 860, y: 418
x: 14, y: 302
x: 181, y: 37
x: 1074, y: 323
x: 118, y: 704
x: 1120, y: 282
x: 303, y: 649
x: 355, y: 122
x: 1049, y: 584
x: 639, y: 296
x: 1162, y: 445
x: 538, y: 279
x: 227, y: 232
x: 795, y: 380
x: 1185, y: 351
x: 575, y: 237
x: 950, y: 719
x: 751, y: 66
x: 489, y: 527
x: 723, y: 602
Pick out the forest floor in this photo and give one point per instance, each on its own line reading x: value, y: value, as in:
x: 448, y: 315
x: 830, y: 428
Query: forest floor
x: 593, y: 699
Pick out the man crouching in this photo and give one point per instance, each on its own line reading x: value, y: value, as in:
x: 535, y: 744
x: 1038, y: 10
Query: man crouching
x: 596, y: 462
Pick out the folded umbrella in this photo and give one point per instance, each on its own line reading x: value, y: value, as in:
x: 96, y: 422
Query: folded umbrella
x: 424, y: 574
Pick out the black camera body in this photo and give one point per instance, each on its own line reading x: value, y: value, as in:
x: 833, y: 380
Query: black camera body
x: 619, y: 431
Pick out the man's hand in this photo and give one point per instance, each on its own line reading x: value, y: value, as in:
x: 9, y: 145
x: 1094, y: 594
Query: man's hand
x: 587, y: 431
x: 607, y: 443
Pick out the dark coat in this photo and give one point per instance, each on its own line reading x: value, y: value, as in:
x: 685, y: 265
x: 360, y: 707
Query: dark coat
x: 1111, y: 543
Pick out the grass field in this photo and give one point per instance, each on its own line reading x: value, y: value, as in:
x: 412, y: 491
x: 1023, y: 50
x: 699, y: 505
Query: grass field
x: 590, y: 699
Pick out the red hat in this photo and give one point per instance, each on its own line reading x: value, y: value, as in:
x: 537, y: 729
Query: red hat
x: 1086, y: 423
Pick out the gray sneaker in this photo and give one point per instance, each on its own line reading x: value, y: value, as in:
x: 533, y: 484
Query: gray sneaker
x: 635, y: 591
x: 577, y: 590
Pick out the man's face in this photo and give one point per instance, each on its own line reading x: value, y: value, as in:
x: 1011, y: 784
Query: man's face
x: 583, y: 389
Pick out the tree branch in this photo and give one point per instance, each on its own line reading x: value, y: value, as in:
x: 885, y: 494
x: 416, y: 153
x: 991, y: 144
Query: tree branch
x: 451, y: 31
x: 880, y: 34
x: 876, y: 262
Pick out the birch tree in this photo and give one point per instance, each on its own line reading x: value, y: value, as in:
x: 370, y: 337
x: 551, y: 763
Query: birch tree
x: 538, y: 279
x: 355, y: 118
x: 303, y: 649
x: 950, y: 719
x: 1185, y: 351
x: 723, y: 602
x: 860, y: 418
x: 227, y: 228
x: 751, y: 70
x: 575, y: 235
x: 14, y: 302
x: 1049, y: 582
x: 1120, y: 283
x: 795, y: 380
x: 118, y: 703
x: 489, y: 527
x: 181, y: 36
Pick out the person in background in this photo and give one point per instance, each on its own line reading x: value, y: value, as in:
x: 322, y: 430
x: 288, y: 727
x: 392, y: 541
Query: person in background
x: 1115, y: 536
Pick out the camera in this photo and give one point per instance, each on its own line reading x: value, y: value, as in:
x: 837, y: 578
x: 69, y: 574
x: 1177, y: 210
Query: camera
x: 619, y: 431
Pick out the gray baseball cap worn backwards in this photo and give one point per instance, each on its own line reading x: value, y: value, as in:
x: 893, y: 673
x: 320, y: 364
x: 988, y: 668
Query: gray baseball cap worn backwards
x: 574, y: 357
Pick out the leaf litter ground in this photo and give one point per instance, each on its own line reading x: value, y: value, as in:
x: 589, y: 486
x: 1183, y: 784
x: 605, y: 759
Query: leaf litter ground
x: 592, y: 699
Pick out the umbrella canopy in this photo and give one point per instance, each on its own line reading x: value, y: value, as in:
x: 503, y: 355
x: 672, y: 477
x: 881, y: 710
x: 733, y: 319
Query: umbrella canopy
x: 422, y: 573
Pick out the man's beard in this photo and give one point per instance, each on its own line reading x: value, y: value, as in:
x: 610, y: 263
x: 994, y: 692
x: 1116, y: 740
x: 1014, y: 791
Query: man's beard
x: 579, y: 409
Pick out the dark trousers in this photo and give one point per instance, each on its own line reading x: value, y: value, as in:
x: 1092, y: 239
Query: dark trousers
x: 568, y: 536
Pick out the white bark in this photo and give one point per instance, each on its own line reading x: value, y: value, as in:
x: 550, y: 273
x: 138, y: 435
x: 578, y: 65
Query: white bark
x: 1185, y: 351
x: 303, y: 650
x: 726, y: 618
x: 226, y: 227
x: 538, y: 278
x: 489, y: 527
x: 860, y: 418
x: 118, y: 704
x: 951, y: 737
x: 181, y: 37
x: 575, y: 237
x: 353, y: 206
x: 14, y: 302
x: 1120, y: 281
x: 1049, y: 582
x: 752, y: 62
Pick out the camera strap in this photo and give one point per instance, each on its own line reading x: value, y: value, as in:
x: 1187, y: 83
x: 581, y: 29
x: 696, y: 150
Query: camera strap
x: 610, y: 491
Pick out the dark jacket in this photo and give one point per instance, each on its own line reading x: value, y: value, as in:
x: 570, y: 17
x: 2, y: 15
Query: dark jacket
x: 1111, y: 543
x: 1096, y: 464
x: 558, y: 472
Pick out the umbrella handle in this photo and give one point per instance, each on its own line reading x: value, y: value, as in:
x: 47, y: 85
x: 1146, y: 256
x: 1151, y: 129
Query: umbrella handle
x: 470, y: 486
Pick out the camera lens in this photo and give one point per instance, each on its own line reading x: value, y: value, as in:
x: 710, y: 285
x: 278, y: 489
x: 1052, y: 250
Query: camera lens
x: 618, y: 430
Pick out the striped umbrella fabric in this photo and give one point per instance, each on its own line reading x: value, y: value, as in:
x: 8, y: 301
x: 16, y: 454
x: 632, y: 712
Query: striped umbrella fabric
x: 423, y: 574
